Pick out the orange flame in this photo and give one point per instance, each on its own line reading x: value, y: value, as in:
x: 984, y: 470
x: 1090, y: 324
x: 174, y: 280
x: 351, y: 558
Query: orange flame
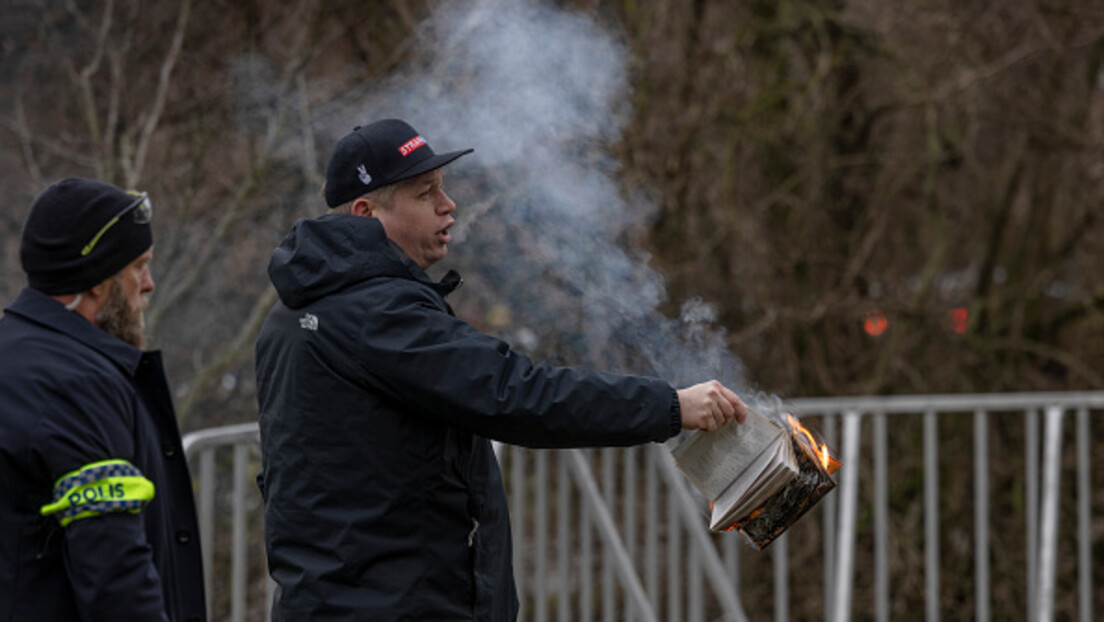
x: 819, y: 448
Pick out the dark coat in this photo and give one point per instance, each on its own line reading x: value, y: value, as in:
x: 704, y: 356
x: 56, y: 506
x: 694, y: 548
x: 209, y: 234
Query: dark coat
x: 383, y: 498
x: 72, y: 395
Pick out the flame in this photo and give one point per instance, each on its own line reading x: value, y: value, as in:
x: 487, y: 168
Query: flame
x: 819, y: 448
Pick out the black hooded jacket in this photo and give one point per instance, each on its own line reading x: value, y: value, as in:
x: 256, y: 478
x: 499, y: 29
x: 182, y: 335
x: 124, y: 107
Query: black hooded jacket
x: 71, y: 396
x: 383, y: 498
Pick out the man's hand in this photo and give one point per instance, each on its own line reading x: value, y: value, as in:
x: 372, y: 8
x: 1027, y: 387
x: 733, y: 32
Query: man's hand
x: 709, y: 405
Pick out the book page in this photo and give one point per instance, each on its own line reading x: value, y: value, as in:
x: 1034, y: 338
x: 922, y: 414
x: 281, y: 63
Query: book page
x: 763, y: 478
x: 712, y: 461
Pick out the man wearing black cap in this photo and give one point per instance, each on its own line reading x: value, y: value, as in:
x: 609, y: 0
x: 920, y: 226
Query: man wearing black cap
x: 97, y: 520
x: 383, y: 498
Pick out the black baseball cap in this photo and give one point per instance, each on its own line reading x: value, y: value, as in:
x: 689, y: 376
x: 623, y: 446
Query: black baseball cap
x: 377, y: 155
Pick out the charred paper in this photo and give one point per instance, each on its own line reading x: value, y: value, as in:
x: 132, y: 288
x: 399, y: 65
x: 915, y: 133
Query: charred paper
x: 785, y: 507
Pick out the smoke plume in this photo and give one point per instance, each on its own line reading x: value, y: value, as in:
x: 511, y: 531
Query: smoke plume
x: 545, y: 229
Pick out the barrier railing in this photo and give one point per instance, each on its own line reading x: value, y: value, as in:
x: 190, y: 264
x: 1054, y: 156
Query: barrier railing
x: 617, y: 534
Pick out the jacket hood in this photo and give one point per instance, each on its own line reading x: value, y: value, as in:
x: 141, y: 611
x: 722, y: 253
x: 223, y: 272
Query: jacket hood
x: 324, y: 255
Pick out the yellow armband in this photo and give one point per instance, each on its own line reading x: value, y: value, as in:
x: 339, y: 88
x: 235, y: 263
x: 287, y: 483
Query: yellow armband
x: 99, y: 488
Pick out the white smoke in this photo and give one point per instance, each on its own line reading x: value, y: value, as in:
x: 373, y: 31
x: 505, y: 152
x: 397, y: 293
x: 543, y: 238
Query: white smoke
x: 542, y: 93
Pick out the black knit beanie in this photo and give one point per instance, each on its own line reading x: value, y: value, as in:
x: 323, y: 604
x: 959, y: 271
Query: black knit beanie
x: 63, y: 220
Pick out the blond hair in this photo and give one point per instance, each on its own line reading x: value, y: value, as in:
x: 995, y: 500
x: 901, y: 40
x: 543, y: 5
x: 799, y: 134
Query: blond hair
x: 384, y: 196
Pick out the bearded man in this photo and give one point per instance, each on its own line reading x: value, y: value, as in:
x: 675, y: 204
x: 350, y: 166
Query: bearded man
x: 97, y: 519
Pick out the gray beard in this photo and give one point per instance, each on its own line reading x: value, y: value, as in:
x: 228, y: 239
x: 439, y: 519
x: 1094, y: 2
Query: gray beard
x: 118, y: 318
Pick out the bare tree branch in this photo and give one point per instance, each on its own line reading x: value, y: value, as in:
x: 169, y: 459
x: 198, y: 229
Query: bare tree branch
x: 26, y: 143
x: 82, y: 78
x: 241, y: 348
x: 163, y: 85
x: 239, y: 203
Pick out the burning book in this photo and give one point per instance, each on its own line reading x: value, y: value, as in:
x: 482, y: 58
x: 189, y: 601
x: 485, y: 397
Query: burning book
x: 759, y: 476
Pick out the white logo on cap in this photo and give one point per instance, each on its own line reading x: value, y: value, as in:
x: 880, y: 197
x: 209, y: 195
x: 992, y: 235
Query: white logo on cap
x: 362, y: 173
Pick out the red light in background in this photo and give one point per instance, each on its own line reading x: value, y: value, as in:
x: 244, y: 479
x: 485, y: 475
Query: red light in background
x: 958, y: 319
x: 875, y: 323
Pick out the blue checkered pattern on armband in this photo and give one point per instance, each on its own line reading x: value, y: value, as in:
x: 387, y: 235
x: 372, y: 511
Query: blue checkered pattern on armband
x: 92, y: 474
x: 103, y: 507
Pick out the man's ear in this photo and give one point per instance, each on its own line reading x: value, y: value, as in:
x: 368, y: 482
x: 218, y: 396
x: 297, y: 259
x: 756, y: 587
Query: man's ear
x: 362, y: 207
x: 100, y: 290
x: 89, y: 302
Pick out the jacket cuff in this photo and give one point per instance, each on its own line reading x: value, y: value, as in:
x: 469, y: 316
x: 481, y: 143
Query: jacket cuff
x: 675, y: 424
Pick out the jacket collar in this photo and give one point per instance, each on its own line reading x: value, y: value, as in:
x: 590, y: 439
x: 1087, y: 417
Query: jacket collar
x: 37, y: 308
x: 324, y: 255
x: 448, y: 283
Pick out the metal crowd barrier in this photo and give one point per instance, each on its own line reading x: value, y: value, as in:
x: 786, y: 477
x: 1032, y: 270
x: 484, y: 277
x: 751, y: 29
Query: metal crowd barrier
x: 618, y: 534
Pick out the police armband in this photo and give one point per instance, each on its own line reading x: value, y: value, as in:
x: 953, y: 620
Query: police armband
x: 99, y: 488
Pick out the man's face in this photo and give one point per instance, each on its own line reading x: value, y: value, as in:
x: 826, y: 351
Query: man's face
x: 122, y: 312
x: 419, y: 218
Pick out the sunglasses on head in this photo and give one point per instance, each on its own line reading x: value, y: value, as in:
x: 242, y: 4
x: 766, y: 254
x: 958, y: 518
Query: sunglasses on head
x: 143, y: 212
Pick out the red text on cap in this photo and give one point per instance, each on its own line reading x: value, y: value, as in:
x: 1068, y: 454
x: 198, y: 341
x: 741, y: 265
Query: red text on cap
x: 409, y: 146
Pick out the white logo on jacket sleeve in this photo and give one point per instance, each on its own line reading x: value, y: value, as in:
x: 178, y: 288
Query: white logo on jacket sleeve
x: 309, y: 322
x: 362, y: 173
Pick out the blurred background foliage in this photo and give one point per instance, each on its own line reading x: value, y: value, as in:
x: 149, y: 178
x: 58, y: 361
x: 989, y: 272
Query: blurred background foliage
x: 873, y: 198
x: 826, y: 161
